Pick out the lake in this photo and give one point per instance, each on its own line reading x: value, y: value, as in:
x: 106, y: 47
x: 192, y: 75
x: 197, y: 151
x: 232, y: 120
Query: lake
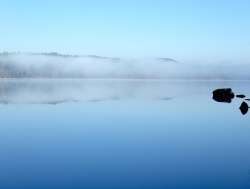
x: 122, y: 134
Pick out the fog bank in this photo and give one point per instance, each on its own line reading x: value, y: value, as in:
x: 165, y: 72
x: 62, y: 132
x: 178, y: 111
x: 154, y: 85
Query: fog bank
x: 54, y: 65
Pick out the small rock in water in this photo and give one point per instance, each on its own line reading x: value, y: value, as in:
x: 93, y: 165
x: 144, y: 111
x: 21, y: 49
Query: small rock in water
x: 240, y: 96
x: 244, y: 108
x: 223, y: 95
x: 248, y: 99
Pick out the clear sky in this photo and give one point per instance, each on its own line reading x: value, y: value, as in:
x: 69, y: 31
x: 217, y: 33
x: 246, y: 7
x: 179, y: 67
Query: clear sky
x: 185, y: 30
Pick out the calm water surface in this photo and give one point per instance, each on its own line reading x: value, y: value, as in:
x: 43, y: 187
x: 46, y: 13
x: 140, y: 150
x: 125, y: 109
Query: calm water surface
x: 122, y: 134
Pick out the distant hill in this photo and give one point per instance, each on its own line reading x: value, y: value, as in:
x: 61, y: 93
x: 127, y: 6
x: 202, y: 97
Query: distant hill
x: 57, y: 65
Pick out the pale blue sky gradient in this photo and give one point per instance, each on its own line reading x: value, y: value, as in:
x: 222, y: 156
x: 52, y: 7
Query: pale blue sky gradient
x: 184, y: 30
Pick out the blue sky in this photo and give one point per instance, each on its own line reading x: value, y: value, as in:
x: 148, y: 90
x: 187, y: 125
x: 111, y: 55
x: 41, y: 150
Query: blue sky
x: 185, y: 30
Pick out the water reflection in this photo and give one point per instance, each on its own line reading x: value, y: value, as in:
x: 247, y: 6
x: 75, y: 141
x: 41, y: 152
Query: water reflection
x: 56, y: 92
x: 68, y: 91
x: 166, y: 98
x: 122, y: 134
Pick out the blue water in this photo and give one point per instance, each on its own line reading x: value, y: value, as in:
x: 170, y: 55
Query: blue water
x: 122, y: 134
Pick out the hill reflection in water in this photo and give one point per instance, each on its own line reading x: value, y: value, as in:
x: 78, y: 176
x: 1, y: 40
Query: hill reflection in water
x: 50, y: 91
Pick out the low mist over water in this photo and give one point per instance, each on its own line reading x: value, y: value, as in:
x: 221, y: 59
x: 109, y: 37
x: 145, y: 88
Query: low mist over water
x: 54, y: 65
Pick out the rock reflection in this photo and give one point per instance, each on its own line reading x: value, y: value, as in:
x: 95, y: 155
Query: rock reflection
x: 244, y: 108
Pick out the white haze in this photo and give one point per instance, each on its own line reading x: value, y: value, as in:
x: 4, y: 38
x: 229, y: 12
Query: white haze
x: 41, y: 65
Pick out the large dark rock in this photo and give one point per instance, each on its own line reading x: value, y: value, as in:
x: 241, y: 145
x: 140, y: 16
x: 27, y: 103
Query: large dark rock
x: 244, y: 108
x: 223, y: 95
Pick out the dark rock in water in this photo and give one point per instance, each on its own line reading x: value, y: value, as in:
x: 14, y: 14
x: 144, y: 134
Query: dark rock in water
x: 240, y: 96
x: 248, y: 99
x: 244, y: 108
x: 223, y: 95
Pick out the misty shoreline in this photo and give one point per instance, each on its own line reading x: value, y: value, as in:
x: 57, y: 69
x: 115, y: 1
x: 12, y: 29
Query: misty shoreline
x: 63, y: 66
